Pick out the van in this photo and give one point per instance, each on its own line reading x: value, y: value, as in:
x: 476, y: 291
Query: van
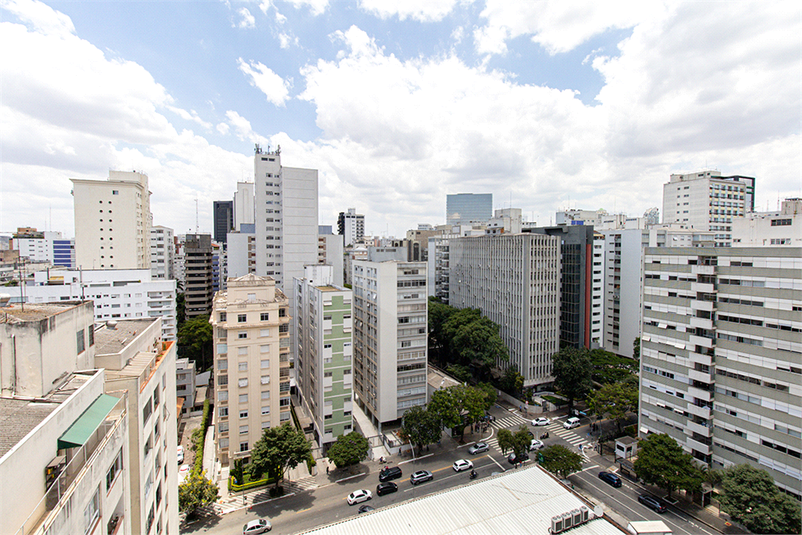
x: 610, y: 478
x: 392, y: 472
x: 572, y: 422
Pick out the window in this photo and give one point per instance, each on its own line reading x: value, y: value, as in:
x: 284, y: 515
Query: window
x: 222, y: 316
x: 242, y: 334
x: 263, y: 333
x: 243, y: 366
x: 114, y: 469
x: 242, y: 318
x: 243, y: 382
x: 264, y: 316
x: 243, y: 446
x: 284, y: 402
x: 242, y: 351
x: 222, y: 427
x: 147, y: 410
x: 92, y: 511
x: 266, y: 394
x: 243, y: 398
x: 222, y: 395
x: 265, y: 363
x: 223, y: 411
x: 243, y: 414
x: 80, y: 339
x: 327, y: 374
x: 222, y: 365
x: 265, y: 410
x: 265, y: 380
x: 326, y: 346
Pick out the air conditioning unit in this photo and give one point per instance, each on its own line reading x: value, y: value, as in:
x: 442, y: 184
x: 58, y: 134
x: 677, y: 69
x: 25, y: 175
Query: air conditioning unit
x: 567, y: 521
x: 557, y: 524
x: 577, y: 517
x: 585, y: 512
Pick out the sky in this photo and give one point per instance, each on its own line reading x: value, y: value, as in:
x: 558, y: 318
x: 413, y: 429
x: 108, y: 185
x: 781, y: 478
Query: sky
x: 547, y: 105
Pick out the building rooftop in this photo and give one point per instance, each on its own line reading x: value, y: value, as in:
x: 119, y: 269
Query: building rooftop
x: 18, y: 417
x: 115, y: 335
x: 517, y: 501
x: 438, y: 379
x: 16, y: 313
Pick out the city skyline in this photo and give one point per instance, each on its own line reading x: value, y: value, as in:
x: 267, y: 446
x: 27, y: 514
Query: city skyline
x: 395, y: 106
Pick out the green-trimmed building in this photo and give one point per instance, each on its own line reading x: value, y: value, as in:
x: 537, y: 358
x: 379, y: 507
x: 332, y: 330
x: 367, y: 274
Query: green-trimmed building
x: 324, y: 355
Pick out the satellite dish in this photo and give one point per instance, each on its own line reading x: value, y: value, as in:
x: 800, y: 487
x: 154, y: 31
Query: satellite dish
x: 598, y: 511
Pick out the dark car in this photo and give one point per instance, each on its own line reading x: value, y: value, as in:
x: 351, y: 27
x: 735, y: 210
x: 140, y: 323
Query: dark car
x: 420, y: 476
x: 386, y: 488
x: 652, y: 503
x: 610, y: 478
x: 392, y: 472
x: 366, y: 508
x: 513, y: 459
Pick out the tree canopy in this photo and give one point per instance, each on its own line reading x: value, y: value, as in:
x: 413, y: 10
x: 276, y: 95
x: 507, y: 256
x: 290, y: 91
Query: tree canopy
x: 662, y: 462
x: 421, y: 426
x: 517, y: 442
x: 571, y: 368
x: 457, y: 406
x: 615, y: 400
x: 196, y: 491
x: 750, y: 496
x: 279, y: 448
x: 610, y: 368
x: 349, y: 449
x: 195, y: 336
x: 560, y: 460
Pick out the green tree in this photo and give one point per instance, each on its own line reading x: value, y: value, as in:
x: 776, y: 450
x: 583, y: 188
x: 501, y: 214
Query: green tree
x: 750, y: 496
x: 439, y: 314
x: 421, y: 426
x: 180, y: 309
x: 460, y: 373
x: 196, y: 491
x: 571, y: 368
x: 479, y: 345
x: 517, y: 442
x: 349, y: 449
x: 237, y: 473
x: 615, y: 400
x: 512, y: 382
x: 662, y: 462
x: 491, y: 395
x: 457, y: 406
x: 560, y: 460
x: 610, y: 368
x: 636, y: 348
x: 195, y: 336
x: 505, y: 440
x: 279, y: 448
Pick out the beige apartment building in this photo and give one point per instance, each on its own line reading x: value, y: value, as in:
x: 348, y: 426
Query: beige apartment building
x: 251, y: 363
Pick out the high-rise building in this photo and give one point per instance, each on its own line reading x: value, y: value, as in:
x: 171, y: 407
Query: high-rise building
x: 467, y: 208
x: 324, y: 356
x: 708, y: 201
x: 251, y: 363
x: 219, y: 266
x: 351, y: 226
x: 330, y: 252
x: 112, y: 221
x: 768, y: 229
x: 241, y: 251
x: 514, y: 280
x: 390, y: 337
x: 243, y: 205
x: 198, y: 273
x: 223, y: 212
x: 597, y: 292
x: 44, y: 246
x: 720, y: 355
x: 162, y: 252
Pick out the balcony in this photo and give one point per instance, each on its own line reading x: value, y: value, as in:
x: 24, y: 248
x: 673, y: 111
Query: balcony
x: 707, y: 360
x: 698, y: 446
x: 708, y: 306
x: 704, y: 377
x: 700, y: 341
x: 698, y: 393
x: 702, y: 287
x: 703, y: 270
x: 700, y: 429
x: 702, y: 323
x: 701, y: 412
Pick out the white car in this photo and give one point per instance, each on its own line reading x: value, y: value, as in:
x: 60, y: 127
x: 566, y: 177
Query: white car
x: 461, y: 465
x: 359, y: 496
x: 572, y: 422
x: 184, y: 469
x: 180, y: 454
x: 256, y: 526
x: 535, y: 445
x: 541, y: 421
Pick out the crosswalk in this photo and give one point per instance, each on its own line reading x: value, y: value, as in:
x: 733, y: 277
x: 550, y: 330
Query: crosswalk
x: 554, y: 428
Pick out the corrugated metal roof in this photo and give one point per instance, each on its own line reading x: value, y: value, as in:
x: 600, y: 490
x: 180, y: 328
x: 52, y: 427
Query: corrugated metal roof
x: 518, y: 501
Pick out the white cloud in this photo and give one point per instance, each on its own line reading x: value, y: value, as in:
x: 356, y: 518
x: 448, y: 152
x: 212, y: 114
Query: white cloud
x: 246, y: 19
x: 420, y: 10
x: 286, y: 40
x: 275, y: 88
x: 40, y: 16
x: 191, y: 115
x: 316, y: 7
x: 223, y: 128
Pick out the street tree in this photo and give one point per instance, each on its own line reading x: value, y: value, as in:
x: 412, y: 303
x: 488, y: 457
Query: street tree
x: 457, y: 406
x: 662, y: 462
x: 279, y: 449
x: 196, y: 491
x: 610, y: 368
x: 479, y: 345
x: 421, y: 426
x: 512, y: 382
x: 560, y: 460
x: 750, y: 496
x: 195, y: 335
x: 571, y: 368
x: 349, y: 449
x: 505, y: 440
x: 439, y: 313
x: 490, y: 392
x: 517, y: 442
x: 615, y: 400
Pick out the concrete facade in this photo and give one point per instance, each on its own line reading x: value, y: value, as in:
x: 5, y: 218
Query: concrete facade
x: 197, y: 255
x: 351, y: 226
x: 720, y: 355
x: 162, y: 252
x: 782, y: 228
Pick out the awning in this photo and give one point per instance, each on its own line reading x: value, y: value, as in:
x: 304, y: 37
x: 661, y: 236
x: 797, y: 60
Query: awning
x: 82, y: 428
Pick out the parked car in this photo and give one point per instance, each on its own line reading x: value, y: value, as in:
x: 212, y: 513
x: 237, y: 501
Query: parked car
x: 256, y: 526
x: 479, y: 447
x: 461, y: 465
x: 610, y: 478
x: 392, y: 472
x: 571, y: 422
x: 180, y: 454
x: 513, y: 459
x: 541, y: 421
x: 420, y: 476
x: 366, y: 508
x: 386, y: 488
x: 535, y: 445
x: 652, y: 503
x: 359, y: 496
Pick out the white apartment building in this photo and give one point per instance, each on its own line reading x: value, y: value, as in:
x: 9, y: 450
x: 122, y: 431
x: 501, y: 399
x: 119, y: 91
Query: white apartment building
x: 185, y: 385
x: 390, y: 337
x: 137, y: 360
x: 37, y: 247
x: 241, y: 251
x: 118, y: 294
x: 324, y: 356
x: 597, y: 292
x: 179, y: 271
x: 162, y: 252
x: 514, y: 280
x: 330, y: 252
x: 708, y: 201
x: 623, y: 277
x: 351, y: 226
x: 244, y: 205
x: 251, y: 363
x: 768, y: 229
x: 112, y: 221
x: 721, y: 353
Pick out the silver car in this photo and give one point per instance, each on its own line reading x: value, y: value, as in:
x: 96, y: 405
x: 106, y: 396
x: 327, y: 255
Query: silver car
x: 256, y: 526
x: 479, y: 447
